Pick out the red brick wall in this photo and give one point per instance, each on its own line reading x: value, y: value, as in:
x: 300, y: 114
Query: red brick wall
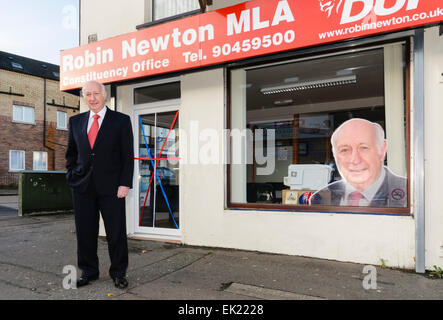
x: 28, y: 137
x: 18, y: 136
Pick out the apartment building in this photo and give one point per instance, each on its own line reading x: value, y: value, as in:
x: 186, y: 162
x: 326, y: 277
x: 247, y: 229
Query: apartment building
x: 34, y: 117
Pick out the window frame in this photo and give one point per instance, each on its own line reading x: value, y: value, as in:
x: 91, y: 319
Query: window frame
x: 325, y: 52
x: 23, y: 120
x: 171, y: 17
x: 24, y: 160
x: 33, y: 160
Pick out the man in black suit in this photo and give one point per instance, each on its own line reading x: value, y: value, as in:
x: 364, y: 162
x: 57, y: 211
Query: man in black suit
x: 100, y: 166
x: 359, y: 150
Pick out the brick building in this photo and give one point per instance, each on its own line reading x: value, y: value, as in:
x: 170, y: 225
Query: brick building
x: 33, y: 117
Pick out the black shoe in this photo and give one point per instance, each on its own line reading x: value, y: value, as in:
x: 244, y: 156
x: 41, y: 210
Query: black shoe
x: 120, y: 282
x: 84, y: 280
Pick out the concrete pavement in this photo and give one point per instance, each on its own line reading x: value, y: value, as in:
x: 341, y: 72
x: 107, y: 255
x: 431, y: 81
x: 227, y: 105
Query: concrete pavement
x: 34, y: 250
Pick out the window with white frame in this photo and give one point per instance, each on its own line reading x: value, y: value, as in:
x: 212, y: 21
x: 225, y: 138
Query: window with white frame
x: 168, y: 8
x: 40, y: 161
x: 16, y: 160
x: 61, y: 120
x: 23, y: 114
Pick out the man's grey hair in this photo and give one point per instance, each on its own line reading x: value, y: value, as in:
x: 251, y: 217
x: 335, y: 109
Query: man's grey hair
x: 379, y: 134
x: 101, y: 86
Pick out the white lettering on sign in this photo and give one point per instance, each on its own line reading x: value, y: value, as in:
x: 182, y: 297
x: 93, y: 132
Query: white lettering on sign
x: 368, y: 6
x: 246, y: 30
x: 89, y: 59
x: 130, y: 48
x: 243, y: 24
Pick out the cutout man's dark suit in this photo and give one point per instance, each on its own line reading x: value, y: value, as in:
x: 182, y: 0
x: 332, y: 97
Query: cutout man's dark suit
x: 94, y: 176
x: 391, y: 193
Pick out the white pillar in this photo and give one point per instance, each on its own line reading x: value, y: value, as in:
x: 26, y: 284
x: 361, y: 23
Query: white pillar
x: 395, y: 108
x: 238, y: 136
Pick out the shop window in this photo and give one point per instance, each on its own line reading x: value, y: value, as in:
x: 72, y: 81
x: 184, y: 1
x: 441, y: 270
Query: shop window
x: 168, y: 8
x: 16, y: 160
x: 40, y: 161
x: 62, y: 120
x: 23, y: 114
x: 282, y: 117
x: 148, y: 94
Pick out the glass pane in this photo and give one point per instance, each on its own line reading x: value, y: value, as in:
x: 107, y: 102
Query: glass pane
x: 286, y: 115
x: 168, y: 8
x: 167, y: 190
x: 147, y: 143
x: 159, y: 206
x: 160, y: 92
x: 28, y: 115
x: 40, y: 160
x: 17, y: 113
x: 61, y: 119
x: 17, y: 160
x: 16, y: 65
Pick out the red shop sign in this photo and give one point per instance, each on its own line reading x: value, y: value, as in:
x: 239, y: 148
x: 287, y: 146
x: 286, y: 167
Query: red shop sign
x: 246, y: 30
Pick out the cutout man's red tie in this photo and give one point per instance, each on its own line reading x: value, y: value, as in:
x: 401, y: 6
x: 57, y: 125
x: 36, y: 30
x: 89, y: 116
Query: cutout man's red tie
x: 354, y: 198
x: 93, y: 130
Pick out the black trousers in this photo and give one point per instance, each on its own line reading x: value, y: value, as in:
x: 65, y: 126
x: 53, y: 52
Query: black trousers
x: 87, y: 207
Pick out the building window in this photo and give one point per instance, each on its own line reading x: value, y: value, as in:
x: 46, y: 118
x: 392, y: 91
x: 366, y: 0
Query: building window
x: 16, y: 160
x: 40, y: 161
x: 62, y: 120
x: 17, y: 65
x: 282, y: 117
x: 168, y: 8
x: 23, y: 114
x: 155, y: 93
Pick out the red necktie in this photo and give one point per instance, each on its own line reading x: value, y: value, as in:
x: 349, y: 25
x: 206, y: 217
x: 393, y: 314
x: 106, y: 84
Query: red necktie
x: 354, y: 198
x: 93, y: 130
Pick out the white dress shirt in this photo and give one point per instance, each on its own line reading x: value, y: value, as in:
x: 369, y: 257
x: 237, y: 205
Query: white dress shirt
x: 101, y: 113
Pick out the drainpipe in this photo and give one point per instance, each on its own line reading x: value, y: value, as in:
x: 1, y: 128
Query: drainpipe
x: 419, y: 142
x: 44, y: 119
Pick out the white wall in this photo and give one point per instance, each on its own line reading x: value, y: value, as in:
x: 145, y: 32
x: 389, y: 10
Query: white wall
x: 218, y: 4
x: 345, y: 237
x: 124, y: 105
x: 109, y: 18
x: 433, y: 132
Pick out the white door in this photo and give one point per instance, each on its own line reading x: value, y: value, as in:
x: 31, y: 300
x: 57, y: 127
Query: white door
x: 157, y: 171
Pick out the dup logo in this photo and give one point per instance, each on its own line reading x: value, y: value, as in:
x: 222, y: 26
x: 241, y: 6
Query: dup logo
x: 355, y: 10
x: 328, y: 5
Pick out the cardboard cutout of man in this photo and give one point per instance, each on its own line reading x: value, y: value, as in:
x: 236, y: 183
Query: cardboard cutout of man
x: 359, y: 150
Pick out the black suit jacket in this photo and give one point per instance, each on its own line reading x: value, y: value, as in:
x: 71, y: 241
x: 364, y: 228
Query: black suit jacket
x: 110, y: 163
x: 392, y: 193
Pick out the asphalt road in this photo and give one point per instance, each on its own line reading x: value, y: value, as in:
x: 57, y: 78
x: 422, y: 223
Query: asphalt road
x: 38, y: 254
